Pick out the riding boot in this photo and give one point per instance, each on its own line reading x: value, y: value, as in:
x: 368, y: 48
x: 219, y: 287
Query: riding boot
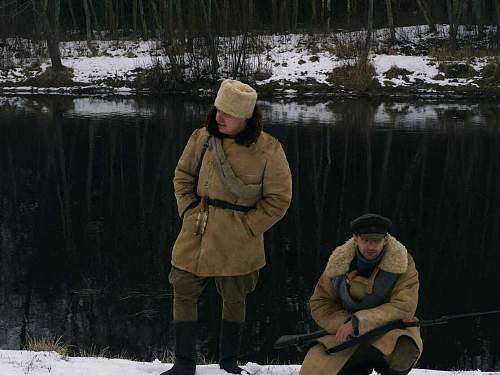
x: 363, y: 368
x: 229, y: 346
x: 185, y: 348
x: 386, y: 370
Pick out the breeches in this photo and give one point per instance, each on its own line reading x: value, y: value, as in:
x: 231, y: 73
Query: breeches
x: 357, y: 360
x: 402, y: 358
x: 233, y: 290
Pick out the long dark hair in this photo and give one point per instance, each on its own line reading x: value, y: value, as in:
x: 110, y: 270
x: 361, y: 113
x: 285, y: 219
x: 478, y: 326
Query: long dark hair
x: 247, y: 136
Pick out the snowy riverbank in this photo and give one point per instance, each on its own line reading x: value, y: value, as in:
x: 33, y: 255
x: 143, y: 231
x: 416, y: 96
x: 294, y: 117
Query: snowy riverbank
x: 15, y: 362
x: 291, y: 65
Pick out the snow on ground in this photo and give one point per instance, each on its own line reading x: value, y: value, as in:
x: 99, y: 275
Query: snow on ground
x: 16, y: 362
x: 286, y: 58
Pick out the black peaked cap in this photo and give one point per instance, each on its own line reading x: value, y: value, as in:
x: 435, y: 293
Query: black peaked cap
x: 371, y: 223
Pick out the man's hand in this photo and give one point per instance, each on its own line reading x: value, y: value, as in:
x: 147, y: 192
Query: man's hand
x: 344, y: 332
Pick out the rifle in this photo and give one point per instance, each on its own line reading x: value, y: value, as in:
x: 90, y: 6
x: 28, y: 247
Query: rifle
x: 299, y: 340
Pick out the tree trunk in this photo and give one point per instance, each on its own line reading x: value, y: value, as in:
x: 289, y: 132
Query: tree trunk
x: 251, y: 15
x: 452, y: 35
x: 349, y: 10
x: 328, y: 14
x: 2, y: 16
x: 295, y: 14
x: 134, y: 16
x: 94, y: 15
x: 284, y: 18
x: 453, y: 21
x: 369, y: 33
x: 88, y: 27
x: 57, y: 15
x: 143, y: 19
x: 313, y: 13
x: 44, y: 25
x: 390, y: 20
x: 427, y: 15
x: 109, y: 16
x: 156, y: 16
x: 180, y: 21
x: 72, y: 14
x: 210, y: 40
x: 275, y: 13
x: 497, y: 11
x: 479, y: 16
x: 170, y: 17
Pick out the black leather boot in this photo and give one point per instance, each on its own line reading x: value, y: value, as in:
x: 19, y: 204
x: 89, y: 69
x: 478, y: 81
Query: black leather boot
x: 185, y: 348
x: 386, y: 370
x: 389, y: 371
x: 364, y: 368
x: 229, y: 346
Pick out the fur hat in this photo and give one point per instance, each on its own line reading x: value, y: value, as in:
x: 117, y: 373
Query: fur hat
x: 236, y: 99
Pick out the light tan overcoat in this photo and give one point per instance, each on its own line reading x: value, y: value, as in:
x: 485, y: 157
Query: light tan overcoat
x: 232, y: 243
x: 327, y: 310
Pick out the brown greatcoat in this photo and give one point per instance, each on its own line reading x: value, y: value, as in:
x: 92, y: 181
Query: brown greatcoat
x: 232, y: 243
x: 327, y: 310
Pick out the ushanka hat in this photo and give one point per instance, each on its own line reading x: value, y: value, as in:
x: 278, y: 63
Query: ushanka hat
x: 371, y: 227
x: 236, y: 99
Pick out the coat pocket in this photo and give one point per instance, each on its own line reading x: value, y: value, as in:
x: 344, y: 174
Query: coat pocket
x: 189, y: 220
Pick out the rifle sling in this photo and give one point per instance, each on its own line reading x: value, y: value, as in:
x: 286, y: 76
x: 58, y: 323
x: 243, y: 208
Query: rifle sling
x: 397, y: 324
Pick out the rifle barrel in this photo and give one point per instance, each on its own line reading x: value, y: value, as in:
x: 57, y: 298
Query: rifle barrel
x: 470, y: 315
x: 290, y: 340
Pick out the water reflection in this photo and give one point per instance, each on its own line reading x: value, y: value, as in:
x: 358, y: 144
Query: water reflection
x: 88, y: 218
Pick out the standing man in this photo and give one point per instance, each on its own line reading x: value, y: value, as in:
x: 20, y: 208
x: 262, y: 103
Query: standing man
x: 369, y: 281
x: 232, y: 183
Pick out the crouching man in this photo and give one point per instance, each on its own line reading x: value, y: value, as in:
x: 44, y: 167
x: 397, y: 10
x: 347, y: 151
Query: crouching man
x: 369, y: 281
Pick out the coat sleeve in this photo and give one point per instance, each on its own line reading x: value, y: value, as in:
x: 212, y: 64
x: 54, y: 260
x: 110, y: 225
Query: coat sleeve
x: 402, y: 304
x: 325, y: 305
x: 185, y: 173
x: 276, y: 193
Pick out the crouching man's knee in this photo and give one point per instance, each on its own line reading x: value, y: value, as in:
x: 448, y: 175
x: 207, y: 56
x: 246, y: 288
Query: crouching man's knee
x: 403, y: 358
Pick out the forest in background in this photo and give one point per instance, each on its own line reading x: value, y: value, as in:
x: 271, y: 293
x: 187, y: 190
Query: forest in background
x: 78, y: 19
x: 196, y: 28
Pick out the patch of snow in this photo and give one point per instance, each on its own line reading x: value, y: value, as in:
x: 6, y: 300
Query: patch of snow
x: 18, y: 362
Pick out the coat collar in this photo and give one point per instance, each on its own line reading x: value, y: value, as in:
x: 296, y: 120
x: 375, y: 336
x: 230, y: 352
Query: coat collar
x: 395, y: 259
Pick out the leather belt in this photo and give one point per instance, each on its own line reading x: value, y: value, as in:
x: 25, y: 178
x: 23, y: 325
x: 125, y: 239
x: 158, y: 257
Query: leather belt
x: 226, y: 205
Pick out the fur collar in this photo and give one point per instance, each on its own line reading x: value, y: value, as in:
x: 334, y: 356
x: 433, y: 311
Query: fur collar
x: 395, y: 258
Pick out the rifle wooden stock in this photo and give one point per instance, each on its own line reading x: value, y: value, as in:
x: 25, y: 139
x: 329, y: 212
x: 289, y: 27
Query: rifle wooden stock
x: 297, y: 340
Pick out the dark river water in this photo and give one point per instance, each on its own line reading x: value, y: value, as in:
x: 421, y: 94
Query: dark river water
x: 88, y: 219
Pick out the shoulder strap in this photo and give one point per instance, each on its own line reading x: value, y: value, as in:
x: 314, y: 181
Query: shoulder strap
x: 205, y: 146
x: 384, y: 282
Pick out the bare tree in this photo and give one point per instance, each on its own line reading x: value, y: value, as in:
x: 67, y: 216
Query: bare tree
x: 143, y: 19
x: 156, y: 16
x: 88, y: 27
x: 328, y: 13
x: 369, y: 35
x: 72, y: 14
x: 210, y: 40
x: 109, y: 16
x: 478, y: 10
x: 134, y: 16
x: 497, y: 11
x: 40, y: 11
x: 57, y: 15
x: 390, y: 20
x: 94, y: 15
x: 454, y: 16
x: 295, y: 14
x: 427, y: 15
